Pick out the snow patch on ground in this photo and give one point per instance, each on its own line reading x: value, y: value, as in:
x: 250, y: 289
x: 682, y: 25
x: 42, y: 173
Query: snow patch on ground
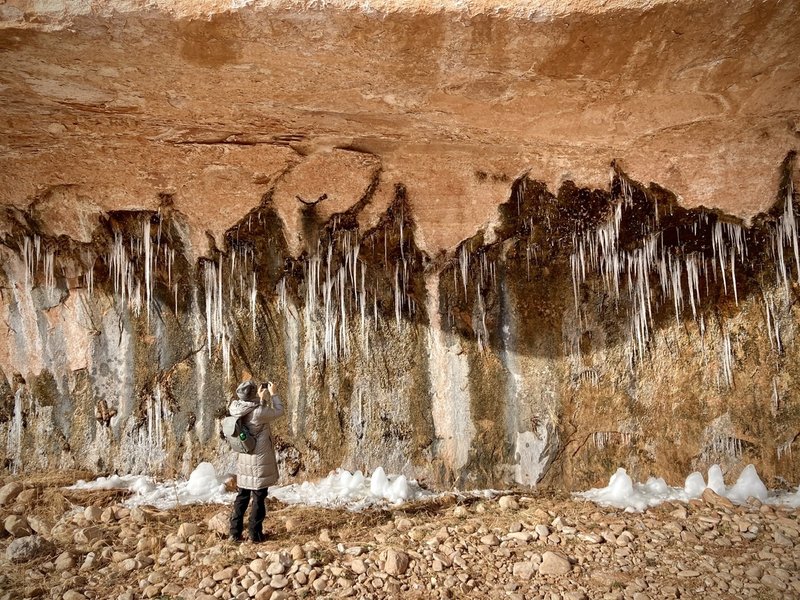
x: 340, y: 489
x: 622, y: 492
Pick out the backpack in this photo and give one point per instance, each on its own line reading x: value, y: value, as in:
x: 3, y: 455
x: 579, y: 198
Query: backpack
x: 238, y: 435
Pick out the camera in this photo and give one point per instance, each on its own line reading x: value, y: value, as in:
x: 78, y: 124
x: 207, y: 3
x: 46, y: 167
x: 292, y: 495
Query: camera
x: 265, y: 385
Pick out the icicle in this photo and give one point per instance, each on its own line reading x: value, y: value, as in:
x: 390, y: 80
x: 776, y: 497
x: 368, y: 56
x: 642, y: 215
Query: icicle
x: 343, y: 324
x: 397, y: 296
x: 601, y: 439
x: 573, y: 261
x: 785, y: 449
x: 773, y: 330
x: 775, y: 404
x: 226, y: 355
x: 254, y: 296
x: 362, y: 300
x: 214, y: 297
x: 727, y: 358
x: 220, y: 298
x: 786, y: 232
x: 528, y: 261
x: 148, y: 266
x: 281, y: 294
x: 88, y: 276
x: 677, y: 292
x: 402, y: 250
x: 49, y: 271
x: 463, y: 261
x: 27, y: 257
x: 627, y: 191
x: 718, y: 247
x: 693, y: 283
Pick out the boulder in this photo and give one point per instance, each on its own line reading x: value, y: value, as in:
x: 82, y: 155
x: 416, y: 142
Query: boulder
x: 108, y: 515
x: 93, y: 514
x: 87, y: 535
x: 225, y: 574
x: 220, y: 523
x: 554, y: 563
x: 26, y: 497
x: 27, y: 548
x: 17, y: 526
x: 524, y: 569
x: 39, y: 525
x: 403, y: 524
x: 714, y: 499
x: 508, y: 503
x: 187, y: 530
x: 9, y: 492
x: 65, y: 561
x: 396, y: 562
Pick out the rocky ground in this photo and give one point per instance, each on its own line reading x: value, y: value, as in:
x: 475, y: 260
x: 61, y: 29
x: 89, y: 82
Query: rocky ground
x: 74, y: 545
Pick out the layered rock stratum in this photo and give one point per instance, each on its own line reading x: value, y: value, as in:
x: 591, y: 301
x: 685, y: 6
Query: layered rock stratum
x: 477, y: 243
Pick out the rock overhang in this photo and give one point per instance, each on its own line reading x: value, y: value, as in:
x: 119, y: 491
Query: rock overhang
x: 216, y: 103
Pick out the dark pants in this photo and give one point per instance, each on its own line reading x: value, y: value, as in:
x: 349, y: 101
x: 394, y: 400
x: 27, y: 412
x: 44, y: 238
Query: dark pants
x: 257, y: 513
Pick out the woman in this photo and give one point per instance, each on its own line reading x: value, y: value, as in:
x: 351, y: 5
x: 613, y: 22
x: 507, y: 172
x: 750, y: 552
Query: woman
x: 256, y: 471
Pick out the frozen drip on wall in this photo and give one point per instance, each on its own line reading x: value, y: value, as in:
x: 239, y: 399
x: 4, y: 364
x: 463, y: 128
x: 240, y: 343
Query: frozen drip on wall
x: 581, y: 328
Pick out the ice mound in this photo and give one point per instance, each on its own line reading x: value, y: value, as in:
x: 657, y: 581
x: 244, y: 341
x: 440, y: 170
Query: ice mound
x: 622, y: 492
x: 749, y: 484
x: 695, y: 485
x: 203, y: 486
x: 354, y: 491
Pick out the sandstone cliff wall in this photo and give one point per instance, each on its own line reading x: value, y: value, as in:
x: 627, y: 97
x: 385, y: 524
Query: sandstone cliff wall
x: 475, y: 246
x: 587, y: 329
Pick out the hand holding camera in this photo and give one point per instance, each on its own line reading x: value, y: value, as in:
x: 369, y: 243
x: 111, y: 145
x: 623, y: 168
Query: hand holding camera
x: 266, y: 389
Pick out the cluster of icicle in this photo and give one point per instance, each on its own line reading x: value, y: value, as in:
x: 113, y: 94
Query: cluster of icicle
x: 124, y: 258
x: 722, y: 445
x: 678, y: 275
x: 229, y: 282
x: 132, y: 289
x: 334, y: 294
x: 149, y: 449
x: 33, y: 257
x: 486, y: 274
x: 601, y: 439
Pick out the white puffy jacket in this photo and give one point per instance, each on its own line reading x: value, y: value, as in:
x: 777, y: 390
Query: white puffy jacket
x: 260, y: 469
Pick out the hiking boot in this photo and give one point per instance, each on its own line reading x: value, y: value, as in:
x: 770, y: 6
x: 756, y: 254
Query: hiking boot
x: 258, y: 538
x: 235, y: 538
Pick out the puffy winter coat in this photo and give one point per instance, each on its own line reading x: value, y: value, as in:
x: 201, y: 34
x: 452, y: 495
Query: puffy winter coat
x: 260, y: 469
